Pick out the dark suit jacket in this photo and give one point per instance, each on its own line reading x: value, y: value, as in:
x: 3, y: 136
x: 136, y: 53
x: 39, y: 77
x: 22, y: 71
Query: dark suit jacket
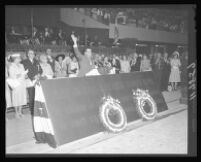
x: 84, y: 63
x: 34, y: 68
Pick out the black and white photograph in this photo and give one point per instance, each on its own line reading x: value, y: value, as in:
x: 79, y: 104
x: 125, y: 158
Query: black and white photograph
x: 100, y: 80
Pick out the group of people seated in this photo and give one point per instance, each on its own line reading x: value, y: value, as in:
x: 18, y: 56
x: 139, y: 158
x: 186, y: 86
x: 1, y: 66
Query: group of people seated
x: 150, y: 18
x: 46, y: 36
x: 35, y: 36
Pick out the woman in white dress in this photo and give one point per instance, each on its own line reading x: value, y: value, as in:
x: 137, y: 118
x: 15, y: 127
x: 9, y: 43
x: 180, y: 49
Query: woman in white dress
x: 7, y: 88
x: 19, y: 94
x: 175, y: 72
x: 73, y: 67
x: 46, y: 67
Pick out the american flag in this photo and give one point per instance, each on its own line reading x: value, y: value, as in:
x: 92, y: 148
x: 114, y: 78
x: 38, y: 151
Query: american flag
x: 42, y: 123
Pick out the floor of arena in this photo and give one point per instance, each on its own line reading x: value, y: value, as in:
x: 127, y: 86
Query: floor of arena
x: 166, y: 135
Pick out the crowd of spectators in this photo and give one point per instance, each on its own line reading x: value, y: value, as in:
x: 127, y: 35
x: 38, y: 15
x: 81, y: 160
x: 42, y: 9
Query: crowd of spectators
x: 149, y: 18
x: 36, y: 35
x: 25, y: 35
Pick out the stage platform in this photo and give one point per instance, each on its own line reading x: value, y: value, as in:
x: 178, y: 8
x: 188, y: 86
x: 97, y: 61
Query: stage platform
x: 20, y: 138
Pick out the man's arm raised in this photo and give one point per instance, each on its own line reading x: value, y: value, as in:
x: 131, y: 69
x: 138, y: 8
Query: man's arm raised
x: 75, y: 47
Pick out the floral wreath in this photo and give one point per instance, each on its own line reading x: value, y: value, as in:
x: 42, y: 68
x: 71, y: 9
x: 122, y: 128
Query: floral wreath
x: 142, y: 98
x: 112, y: 107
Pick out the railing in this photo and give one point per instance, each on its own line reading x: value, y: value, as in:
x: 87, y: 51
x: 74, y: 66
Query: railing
x: 59, y: 49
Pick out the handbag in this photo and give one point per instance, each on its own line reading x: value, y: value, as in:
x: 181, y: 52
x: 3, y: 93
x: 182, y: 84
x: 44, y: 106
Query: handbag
x: 13, y: 83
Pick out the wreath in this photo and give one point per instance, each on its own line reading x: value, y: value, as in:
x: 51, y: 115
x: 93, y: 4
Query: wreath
x: 146, y: 106
x: 112, y: 115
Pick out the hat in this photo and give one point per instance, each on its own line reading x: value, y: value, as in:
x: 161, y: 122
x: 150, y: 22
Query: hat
x: 60, y: 55
x: 176, y: 53
x: 15, y: 55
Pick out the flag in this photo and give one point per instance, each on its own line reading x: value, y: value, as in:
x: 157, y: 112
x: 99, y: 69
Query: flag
x: 42, y: 123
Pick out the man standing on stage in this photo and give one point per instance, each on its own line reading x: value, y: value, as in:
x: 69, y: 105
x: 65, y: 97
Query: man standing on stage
x: 34, y: 71
x: 85, y: 61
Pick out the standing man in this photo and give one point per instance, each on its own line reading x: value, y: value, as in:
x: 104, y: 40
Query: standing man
x: 85, y: 61
x: 51, y: 60
x: 34, y: 71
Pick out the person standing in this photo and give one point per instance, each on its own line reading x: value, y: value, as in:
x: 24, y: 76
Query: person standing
x: 116, y: 65
x: 133, y: 62
x: 145, y: 64
x: 7, y: 88
x: 51, y: 61
x: 47, y: 70
x: 125, y: 66
x: 175, y: 72
x: 157, y: 69
x: 34, y: 72
x: 138, y: 63
x: 60, y: 66
x: 85, y: 61
x: 73, y: 67
x: 165, y: 72
x: 19, y: 94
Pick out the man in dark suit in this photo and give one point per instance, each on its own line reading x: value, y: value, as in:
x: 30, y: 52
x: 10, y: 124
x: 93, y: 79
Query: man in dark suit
x: 85, y: 61
x: 34, y: 71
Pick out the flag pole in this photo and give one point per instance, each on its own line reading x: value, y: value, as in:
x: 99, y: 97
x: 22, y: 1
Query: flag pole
x: 32, y: 23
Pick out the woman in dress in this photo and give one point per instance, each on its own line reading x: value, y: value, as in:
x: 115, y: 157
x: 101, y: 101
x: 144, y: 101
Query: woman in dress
x: 145, y: 64
x: 46, y: 67
x: 60, y: 66
x: 19, y: 93
x: 73, y: 67
x: 175, y: 72
x: 7, y: 88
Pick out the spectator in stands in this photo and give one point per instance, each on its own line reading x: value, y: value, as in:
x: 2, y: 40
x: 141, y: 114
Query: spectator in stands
x: 165, y: 72
x: 175, y: 71
x: 41, y: 38
x: 125, y: 66
x: 19, y: 94
x: 145, y: 64
x: 35, y: 36
x: 51, y: 60
x: 60, y: 66
x: 60, y: 37
x: 34, y: 72
x: 73, y: 67
x: 47, y: 36
x: 47, y: 70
